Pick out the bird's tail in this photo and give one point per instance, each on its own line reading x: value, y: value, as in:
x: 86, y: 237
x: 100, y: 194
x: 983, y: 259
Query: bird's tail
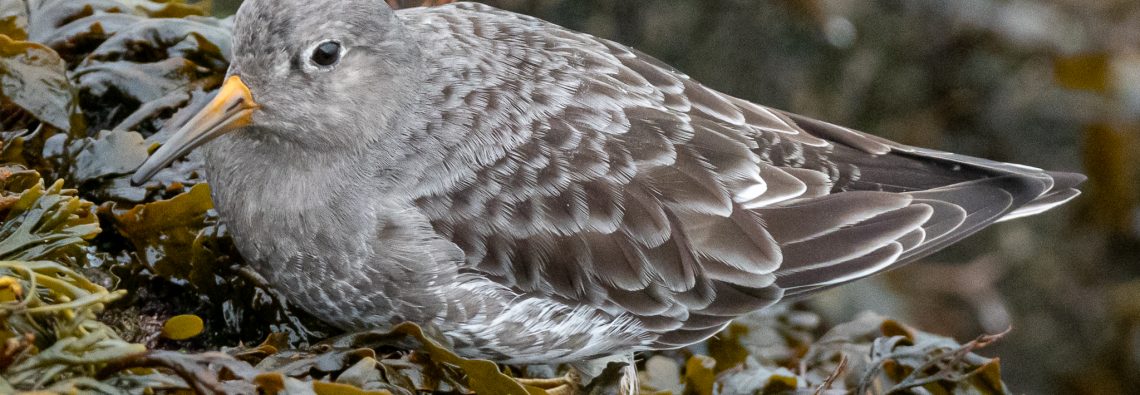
x: 952, y: 212
x: 1064, y: 189
x: 951, y: 197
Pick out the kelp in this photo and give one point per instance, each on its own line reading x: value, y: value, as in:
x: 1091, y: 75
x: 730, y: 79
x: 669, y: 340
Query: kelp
x: 37, y: 101
x: 182, y: 327
x: 113, y: 288
x: 34, y: 79
x: 52, y: 338
x: 42, y: 223
x: 349, y: 364
x: 75, y: 73
x: 14, y: 20
x: 775, y: 351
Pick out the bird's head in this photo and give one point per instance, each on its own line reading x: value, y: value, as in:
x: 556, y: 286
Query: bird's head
x: 317, y: 76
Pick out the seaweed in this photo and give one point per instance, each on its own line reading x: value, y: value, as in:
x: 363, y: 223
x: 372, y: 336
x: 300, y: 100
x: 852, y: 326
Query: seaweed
x: 774, y: 352
x: 34, y: 79
x: 42, y: 223
x: 52, y: 338
x: 37, y: 101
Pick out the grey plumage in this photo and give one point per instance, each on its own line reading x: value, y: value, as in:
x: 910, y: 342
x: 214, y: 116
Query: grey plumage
x: 543, y: 195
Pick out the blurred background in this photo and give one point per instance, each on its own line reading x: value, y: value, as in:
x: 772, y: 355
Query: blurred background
x: 1048, y: 83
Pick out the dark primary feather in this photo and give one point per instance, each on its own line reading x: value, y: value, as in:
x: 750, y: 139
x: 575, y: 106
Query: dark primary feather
x: 605, y: 178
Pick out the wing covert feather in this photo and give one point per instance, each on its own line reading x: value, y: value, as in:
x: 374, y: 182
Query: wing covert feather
x: 602, y: 177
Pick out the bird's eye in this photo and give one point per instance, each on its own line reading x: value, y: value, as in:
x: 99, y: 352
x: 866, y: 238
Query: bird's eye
x: 326, y: 54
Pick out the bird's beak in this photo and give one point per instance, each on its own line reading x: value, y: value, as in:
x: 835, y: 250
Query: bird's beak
x: 231, y: 109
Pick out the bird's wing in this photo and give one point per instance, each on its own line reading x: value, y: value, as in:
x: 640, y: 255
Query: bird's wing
x: 635, y: 189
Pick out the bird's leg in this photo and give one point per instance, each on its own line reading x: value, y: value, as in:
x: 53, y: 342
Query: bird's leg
x: 253, y: 277
x: 259, y: 281
x: 615, y: 374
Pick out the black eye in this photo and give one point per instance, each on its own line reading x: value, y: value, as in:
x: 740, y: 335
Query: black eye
x: 327, y: 53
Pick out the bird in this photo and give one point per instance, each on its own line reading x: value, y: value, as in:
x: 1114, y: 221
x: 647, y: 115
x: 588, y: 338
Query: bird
x: 542, y: 195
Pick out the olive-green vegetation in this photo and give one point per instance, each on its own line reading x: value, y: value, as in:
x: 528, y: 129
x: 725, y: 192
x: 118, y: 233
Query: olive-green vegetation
x: 111, y: 288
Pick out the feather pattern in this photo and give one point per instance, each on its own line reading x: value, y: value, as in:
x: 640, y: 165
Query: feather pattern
x: 598, y: 176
